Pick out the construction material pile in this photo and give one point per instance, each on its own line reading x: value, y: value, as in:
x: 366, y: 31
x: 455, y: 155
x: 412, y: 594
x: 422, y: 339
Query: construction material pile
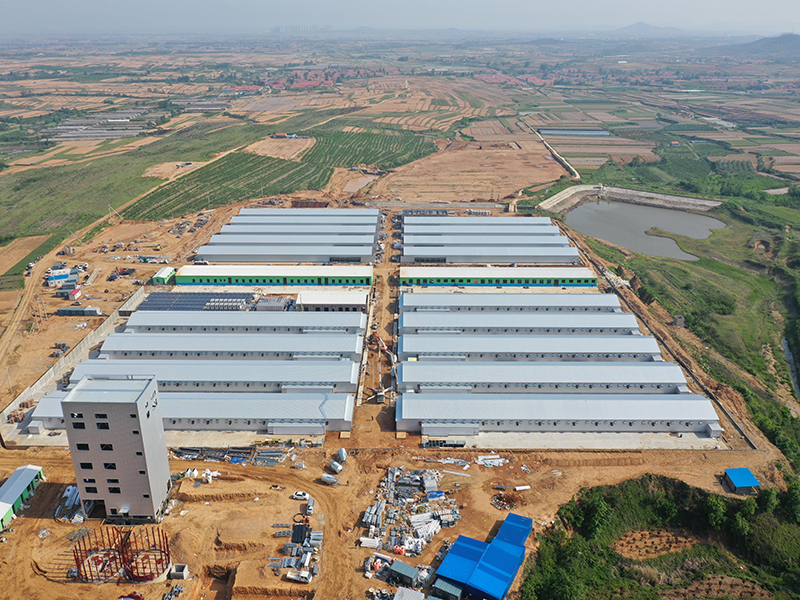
x: 410, y: 510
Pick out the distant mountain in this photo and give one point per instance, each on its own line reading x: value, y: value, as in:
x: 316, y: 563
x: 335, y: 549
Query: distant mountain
x: 785, y: 47
x: 645, y: 30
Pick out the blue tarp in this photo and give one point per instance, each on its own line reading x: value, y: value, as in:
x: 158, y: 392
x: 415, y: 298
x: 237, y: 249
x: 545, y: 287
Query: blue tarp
x: 741, y: 478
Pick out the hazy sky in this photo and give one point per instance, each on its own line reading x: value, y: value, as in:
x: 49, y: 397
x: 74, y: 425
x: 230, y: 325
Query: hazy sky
x: 49, y: 17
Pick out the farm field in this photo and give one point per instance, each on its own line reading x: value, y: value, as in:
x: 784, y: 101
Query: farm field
x: 385, y: 150
x: 471, y: 170
x: 281, y: 148
x: 12, y: 253
x: 234, y: 177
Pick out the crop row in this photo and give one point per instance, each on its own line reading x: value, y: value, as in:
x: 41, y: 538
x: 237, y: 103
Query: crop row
x: 233, y: 178
x: 385, y: 150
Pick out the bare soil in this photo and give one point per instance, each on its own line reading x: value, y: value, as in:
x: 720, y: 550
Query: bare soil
x: 14, y: 252
x: 641, y: 545
x: 290, y: 148
x: 170, y: 170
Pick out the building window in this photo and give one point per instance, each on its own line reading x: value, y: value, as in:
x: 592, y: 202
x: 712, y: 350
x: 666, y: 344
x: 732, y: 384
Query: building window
x: 145, y: 495
x: 76, y: 415
x: 107, y: 447
x: 138, y: 454
x: 100, y: 416
x: 87, y: 480
x: 135, y: 432
x: 114, y: 490
x: 102, y: 425
x: 82, y: 446
x: 110, y: 466
x: 86, y: 466
x: 91, y: 490
x: 142, y: 473
x: 79, y: 425
x: 133, y: 416
x: 112, y: 480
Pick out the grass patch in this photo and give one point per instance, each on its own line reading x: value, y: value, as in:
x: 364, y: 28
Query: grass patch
x: 341, y: 149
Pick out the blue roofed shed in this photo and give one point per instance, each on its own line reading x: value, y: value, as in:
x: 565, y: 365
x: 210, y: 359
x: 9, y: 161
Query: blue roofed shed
x: 741, y: 481
x: 486, y: 571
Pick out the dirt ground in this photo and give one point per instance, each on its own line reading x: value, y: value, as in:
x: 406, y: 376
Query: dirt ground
x: 14, y: 252
x: 281, y: 148
x: 643, y: 545
x: 170, y: 170
x: 228, y: 526
x: 471, y: 170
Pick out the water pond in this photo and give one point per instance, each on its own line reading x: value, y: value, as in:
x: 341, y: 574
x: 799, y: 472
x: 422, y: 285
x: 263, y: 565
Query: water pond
x: 625, y: 225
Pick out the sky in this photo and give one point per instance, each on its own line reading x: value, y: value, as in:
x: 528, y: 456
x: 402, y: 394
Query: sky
x: 53, y: 17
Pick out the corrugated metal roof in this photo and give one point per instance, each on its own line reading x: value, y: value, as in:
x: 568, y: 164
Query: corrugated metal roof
x: 559, y: 301
x: 266, y: 253
x: 422, y: 344
x: 293, y: 212
x: 225, y: 371
x: 482, y: 229
x: 499, y: 221
x: 331, y: 297
x: 742, y: 477
x: 497, y: 272
x: 275, y: 271
x: 216, y: 318
x: 554, y: 407
x: 477, y: 240
x: 303, y: 343
x: 17, y: 482
x: 291, y: 240
x: 232, y: 405
x: 165, y: 272
x: 501, y: 320
x: 488, y: 253
x: 297, y: 229
x: 615, y: 373
x: 305, y: 220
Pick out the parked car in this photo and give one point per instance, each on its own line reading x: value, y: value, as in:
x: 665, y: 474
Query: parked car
x: 301, y: 496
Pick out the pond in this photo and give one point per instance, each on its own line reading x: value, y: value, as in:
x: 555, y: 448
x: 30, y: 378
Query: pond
x: 625, y: 225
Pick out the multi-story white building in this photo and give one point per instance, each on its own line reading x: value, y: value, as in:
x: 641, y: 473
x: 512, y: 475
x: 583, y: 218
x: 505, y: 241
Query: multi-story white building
x: 116, y: 438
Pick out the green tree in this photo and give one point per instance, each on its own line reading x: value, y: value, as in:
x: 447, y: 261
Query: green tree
x: 715, y: 511
x: 598, y: 514
x: 748, y: 507
x: 740, y: 527
x: 767, y: 500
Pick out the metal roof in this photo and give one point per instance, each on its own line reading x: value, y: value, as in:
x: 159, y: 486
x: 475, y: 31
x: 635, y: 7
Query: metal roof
x: 300, y: 343
x: 209, y: 319
x: 298, y: 229
x: 742, y: 477
x: 165, y: 272
x: 275, y: 271
x: 478, y: 253
x: 496, y: 272
x: 225, y: 371
x: 331, y: 238
x: 499, y: 221
x: 558, y: 301
x: 90, y: 389
x: 16, y: 483
x: 332, y: 297
x: 332, y: 219
x: 455, y: 407
x: 568, y: 373
x: 478, y: 240
x: 482, y: 229
x: 458, y: 321
x: 266, y: 253
x: 232, y: 405
x: 306, y: 212
x: 443, y: 344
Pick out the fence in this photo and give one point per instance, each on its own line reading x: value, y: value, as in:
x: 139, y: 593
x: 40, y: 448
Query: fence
x: 76, y: 355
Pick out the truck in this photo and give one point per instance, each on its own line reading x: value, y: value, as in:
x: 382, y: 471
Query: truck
x: 299, y: 576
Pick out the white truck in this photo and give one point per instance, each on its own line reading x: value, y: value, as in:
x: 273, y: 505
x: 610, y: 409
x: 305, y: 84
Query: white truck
x: 300, y: 576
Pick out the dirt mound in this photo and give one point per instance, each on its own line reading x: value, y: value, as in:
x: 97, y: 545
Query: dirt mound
x: 240, y: 532
x: 718, y: 586
x: 641, y: 545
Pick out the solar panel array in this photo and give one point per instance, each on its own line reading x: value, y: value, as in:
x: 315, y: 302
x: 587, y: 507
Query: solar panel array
x: 190, y: 300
